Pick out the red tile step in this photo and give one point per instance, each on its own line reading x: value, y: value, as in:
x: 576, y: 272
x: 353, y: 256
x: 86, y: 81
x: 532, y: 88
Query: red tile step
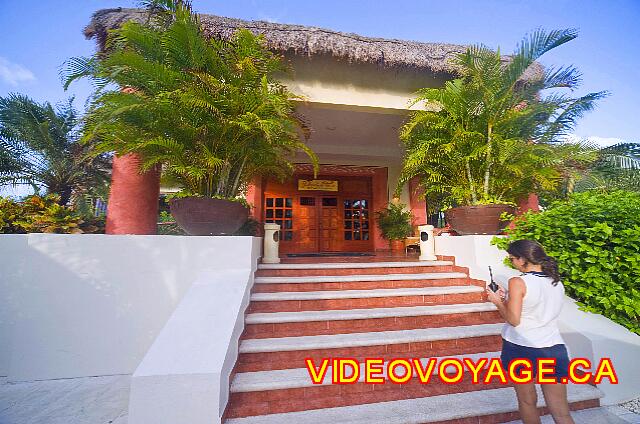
x: 390, y: 323
x: 290, y: 352
x: 260, y: 301
x: 355, y: 271
x: 365, y: 285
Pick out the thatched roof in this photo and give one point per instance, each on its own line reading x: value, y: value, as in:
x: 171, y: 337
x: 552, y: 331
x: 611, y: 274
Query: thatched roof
x: 311, y: 41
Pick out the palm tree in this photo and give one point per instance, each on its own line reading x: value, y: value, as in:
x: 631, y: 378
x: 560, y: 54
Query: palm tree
x: 441, y: 144
x: 39, y: 147
x: 207, y: 111
x: 614, y: 167
x: 499, y: 126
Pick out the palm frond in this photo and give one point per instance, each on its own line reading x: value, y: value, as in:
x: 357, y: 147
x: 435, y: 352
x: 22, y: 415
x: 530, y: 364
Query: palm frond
x: 570, y: 110
x: 532, y: 47
x: 207, y: 110
x: 561, y: 77
x: 39, y: 147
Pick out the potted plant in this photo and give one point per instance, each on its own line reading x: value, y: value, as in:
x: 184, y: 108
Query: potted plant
x: 207, y: 112
x: 481, y: 218
x: 200, y: 215
x: 486, y: 140
x: 395, y: 224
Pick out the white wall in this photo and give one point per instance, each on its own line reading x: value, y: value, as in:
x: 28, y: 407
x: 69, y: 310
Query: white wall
x: 476, y: 253
x: 13, y: 267
x: 184, y: 378
x: 586, y: 335
x: 594, y: 336
x: 82, y: 305
x: 324, y: 79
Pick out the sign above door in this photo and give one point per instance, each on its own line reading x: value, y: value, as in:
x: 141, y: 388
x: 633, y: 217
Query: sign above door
x: 318, y: 185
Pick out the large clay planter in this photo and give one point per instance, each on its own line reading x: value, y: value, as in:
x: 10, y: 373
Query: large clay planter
x: 203, y: 216
x: 480, y: 219
x: 397, y: 245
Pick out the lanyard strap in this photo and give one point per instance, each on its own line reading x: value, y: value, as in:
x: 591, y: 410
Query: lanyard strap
x: 538, y: 273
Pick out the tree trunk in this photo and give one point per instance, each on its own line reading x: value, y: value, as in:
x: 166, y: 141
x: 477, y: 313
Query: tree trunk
x: 487, y: 171
x: 65, y: 196
x: 474, y: 198
x: 571, y: 183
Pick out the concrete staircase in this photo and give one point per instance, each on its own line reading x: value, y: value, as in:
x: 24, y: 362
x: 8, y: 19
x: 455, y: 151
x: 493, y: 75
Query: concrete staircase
x: 362, y: 309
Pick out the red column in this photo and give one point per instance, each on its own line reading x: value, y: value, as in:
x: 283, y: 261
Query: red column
x: 254, y: 197
x: 530, y: 203
x: 417, y: 203
x: 380, y: 200
x: 133, y: 198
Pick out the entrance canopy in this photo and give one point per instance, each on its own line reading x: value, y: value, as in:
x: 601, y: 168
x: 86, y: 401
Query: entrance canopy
x: 344, y: 134
x: 361, y: 156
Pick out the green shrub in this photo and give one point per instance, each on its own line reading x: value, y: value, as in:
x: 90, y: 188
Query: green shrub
x: 38, y: 214
x: 394, y: 222
x: 595, y: 237
x: 251, y: 227
x: 167, y: 225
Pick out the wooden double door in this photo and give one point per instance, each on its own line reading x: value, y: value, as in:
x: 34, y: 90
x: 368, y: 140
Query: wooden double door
x: 318, y: 224
x: 322, y: 222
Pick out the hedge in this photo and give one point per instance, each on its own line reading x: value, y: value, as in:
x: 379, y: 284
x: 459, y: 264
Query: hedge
x: 595, y: 237
x: 38, y: 214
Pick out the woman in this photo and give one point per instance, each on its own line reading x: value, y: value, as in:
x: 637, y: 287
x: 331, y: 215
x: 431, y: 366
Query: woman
x: 531, y: 309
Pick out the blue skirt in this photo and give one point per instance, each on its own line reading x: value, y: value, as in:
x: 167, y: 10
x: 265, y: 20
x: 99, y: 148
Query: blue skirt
x: 511, y: 351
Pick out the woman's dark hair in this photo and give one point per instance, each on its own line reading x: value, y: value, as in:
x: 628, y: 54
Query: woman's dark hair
x: 533, y: 252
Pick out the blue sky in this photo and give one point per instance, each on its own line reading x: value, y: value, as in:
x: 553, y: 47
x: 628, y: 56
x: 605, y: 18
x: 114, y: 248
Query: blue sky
x: 37, y: 37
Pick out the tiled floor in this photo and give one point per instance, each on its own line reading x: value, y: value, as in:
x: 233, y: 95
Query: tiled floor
x: 603, y: 415
x: 625, y: 414
x: 85, y: 400
x: 104, y: 400
x: 381, y: 256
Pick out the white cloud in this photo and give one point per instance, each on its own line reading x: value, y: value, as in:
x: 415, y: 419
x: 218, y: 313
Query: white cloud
x: 13, y: 74
x: 600, y: 141
x: 605, y: 141
x: 15, y: 192
x: 267, y: 18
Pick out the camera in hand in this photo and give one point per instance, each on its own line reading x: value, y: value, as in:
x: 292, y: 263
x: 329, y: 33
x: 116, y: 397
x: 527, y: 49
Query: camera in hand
x: 493, y: 286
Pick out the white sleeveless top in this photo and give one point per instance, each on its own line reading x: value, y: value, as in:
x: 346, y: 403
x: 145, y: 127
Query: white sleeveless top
x: 541, y: 307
